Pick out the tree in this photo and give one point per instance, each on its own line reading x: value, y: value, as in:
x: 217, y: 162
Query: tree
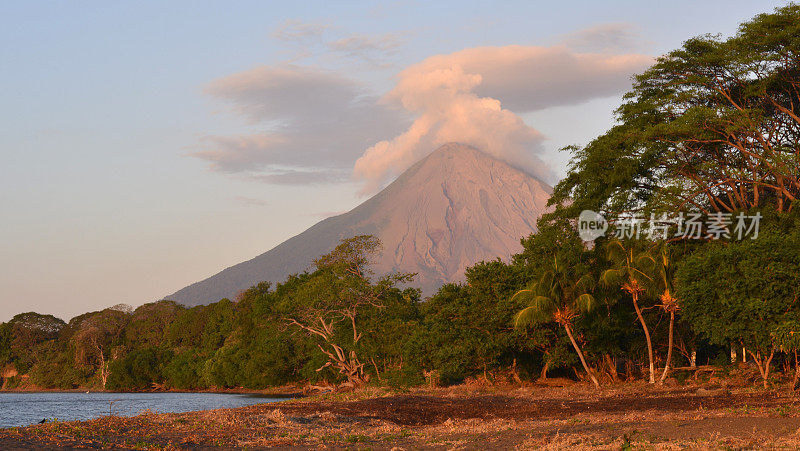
x: 150, y: 322
x: 96, y: 336
x: 335, y: 296
x: 726, y: 115
x: 664, y: 270
x: 787, y: 338
x: 630, y: 273
x: 38, y: 324
x: 5, y: 344
x: 140, y: 369
x: 737, y: 293
x: 467, y: 329
x: 560, y: 295
x: 184, y: 371
x: 713, y: 125
x: 28, y: 333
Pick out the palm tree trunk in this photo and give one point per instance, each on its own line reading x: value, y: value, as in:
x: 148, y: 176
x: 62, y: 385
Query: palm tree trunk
x: 669, y: 350
x: 635, y: 296
x: 580, y: 354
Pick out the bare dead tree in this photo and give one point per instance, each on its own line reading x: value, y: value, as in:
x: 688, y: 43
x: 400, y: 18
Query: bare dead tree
x: 329, y: 305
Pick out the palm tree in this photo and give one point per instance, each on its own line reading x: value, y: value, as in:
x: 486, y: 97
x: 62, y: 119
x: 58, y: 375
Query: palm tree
x: 665, y: 274
x: 560, y: 296
x: 630, y: 272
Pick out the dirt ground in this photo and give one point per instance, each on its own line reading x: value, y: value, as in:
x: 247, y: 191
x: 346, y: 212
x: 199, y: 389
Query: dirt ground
x: 624, y: 416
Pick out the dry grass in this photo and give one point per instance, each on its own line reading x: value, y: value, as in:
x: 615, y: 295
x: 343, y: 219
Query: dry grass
x: 471, y: 416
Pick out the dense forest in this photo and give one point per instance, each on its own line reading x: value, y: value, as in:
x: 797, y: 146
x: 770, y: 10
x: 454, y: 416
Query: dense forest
x: 711, y: 128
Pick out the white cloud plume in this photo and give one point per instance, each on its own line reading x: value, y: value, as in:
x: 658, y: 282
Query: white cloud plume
x: 315, y: 124
x: 471, y: 96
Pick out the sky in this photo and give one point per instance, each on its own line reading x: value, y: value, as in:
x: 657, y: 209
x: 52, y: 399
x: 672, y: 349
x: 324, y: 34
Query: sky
x: 147, y: 145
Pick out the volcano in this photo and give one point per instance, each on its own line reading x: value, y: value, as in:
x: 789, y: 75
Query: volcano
x: 454, y: 208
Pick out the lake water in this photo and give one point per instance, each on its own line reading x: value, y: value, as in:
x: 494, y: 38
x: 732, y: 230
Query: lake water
x: 22, y: 409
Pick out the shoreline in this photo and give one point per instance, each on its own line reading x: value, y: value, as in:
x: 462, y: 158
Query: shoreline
x: 694, y: 415
x: 289, y: 392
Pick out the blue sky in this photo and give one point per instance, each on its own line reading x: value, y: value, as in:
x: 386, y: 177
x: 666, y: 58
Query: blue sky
x: 106, y: 108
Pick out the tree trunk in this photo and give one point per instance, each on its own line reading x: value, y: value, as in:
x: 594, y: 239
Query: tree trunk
x: 763, y: 367
x: 103, y: 370
x: 514, y: 372
x: 580, y: 354
x: 377, y: 372
x: 669, y: 349
x: 796, y: 371
x: 646, y: 336
x: 612, y: 367
x: 543, y: 374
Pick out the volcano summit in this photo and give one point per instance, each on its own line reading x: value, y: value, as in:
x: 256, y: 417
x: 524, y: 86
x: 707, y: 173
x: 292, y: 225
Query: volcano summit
x: 454, y: 208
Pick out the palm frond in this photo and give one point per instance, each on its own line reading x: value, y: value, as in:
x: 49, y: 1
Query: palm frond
x: 586, y: 302
x: 666, y: 258
x: 611, y: 277
x: 646, y: 260
x: 546, y: 281
x: 615, y: 250
x: 524, y: 317
x: 641, y: 276
x: 543, y: 304
x: 524, y: 292
x: 584, y: 284
x: 539, y: 311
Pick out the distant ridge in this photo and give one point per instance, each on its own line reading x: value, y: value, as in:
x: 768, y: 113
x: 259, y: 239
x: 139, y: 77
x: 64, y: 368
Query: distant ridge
x: 452, y: 209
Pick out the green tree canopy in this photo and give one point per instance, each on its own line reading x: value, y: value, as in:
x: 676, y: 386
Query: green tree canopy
x: 739, y: 292
x: 714, y: 126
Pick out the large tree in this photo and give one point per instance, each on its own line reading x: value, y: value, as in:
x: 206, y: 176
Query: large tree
x: 96, y: 338
x: 712, y: 126
x: 738, y: 293
x: 25, y: 334
x: 328, y: 306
